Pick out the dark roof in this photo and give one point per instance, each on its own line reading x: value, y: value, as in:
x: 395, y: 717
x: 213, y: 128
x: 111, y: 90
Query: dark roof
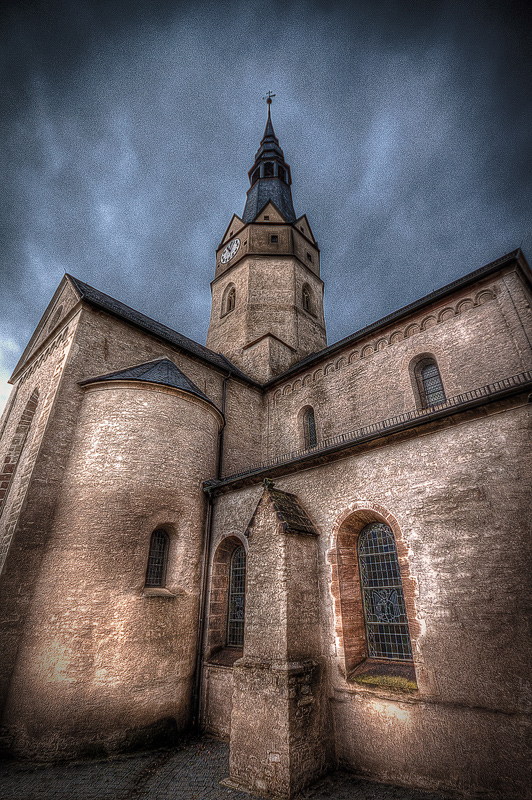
x: 471, y: 277
x: 161, y: 370
x: 101, y: 300
x: 289, y: 512
x: 266, y: 189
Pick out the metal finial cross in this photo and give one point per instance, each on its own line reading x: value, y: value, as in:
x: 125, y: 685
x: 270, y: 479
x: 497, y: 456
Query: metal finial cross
x: 268, y: 98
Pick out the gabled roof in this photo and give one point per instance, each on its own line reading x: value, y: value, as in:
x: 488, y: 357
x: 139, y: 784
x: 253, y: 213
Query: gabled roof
x: 160, y: 370
x: 288, y: 510
x: 100, y: 300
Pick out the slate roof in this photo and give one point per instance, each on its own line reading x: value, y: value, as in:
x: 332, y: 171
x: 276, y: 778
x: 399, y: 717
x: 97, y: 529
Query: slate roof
x: 161, y: 370
x: 266, y: 189
x: 290, y: 514
x: 101, y: 300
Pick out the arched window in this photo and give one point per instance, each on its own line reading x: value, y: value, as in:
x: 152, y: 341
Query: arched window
x: 157, y: 559
x: 385, y: 617
x: 228, y: 299
x: 426, y: 381
x: 305, y: 296
x: 12, y: 458
x: 237, y: 596
x: 268, y: 169
x: 432, y: 385
x: 309, y: 427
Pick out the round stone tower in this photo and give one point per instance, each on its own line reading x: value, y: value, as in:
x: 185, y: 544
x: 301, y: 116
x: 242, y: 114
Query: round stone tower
x: 111, y: 660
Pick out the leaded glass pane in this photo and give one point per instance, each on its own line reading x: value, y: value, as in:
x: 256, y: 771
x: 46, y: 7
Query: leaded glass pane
x: 384, y: 605
x: 237, y: 596
x: 155, y: 574
x: 432, y: 385
x: 309, y: 424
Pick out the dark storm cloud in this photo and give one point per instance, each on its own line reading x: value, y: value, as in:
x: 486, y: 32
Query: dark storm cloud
x: 128, y: 130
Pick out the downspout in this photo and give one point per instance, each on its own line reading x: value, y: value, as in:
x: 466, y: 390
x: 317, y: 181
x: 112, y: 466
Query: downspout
x: 207, y: 536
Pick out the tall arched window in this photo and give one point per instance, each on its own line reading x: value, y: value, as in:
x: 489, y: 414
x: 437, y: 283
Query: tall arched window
x: 158, y: 558
x: 432, y: 385
x: 385, y: 617
x: 305, y: 297
x: 309, y: 427
x: 231, y: 299
x: 228, y: 299
x: 426, y: 381
x: 237, y: 596
x: 12, y: 458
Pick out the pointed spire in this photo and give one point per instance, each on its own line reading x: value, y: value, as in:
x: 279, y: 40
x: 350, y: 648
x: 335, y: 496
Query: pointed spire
x: 269, y: 176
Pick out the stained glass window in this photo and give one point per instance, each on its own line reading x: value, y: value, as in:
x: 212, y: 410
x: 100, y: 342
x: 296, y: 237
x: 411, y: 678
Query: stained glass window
x: 432, y: 385
x: 309, y: 428
x: 237, y: 597
x: 156, y: 572
x: 384, y: 605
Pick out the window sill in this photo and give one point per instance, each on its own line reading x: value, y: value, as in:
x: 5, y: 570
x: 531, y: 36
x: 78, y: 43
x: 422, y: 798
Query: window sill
x: 157, y: 591
x: 381, y: 674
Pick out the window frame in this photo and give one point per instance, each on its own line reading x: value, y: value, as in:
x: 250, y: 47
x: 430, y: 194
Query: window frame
x: 161, y: 566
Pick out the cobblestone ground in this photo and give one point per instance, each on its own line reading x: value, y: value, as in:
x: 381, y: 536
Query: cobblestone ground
x: 191, y: 772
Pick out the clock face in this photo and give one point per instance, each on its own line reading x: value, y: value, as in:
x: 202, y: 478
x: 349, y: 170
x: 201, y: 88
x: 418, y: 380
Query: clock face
x: 230, y: 251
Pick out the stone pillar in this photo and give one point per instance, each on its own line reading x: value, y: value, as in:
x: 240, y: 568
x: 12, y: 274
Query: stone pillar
x: 280, y: 737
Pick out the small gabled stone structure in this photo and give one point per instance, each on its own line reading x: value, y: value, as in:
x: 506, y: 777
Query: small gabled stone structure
x: 280, y: 736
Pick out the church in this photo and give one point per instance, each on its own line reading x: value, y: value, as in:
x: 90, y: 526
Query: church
x: 320, y: 553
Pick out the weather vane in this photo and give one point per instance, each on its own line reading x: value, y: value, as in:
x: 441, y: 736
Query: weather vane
x: 268, y: 98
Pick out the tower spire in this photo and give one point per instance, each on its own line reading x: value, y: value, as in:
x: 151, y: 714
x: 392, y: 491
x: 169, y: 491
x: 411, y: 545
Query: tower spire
x: 269, y: 176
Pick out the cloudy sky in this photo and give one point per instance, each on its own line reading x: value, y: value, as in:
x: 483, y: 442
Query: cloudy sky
x: 128, y: 129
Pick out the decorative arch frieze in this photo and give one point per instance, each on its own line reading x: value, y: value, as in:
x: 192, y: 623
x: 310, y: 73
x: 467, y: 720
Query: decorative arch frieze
x: 377, y: 345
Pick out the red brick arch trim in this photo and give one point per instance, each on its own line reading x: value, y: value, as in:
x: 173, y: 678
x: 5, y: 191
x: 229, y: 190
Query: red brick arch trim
x: 345, y: 581
x: 15, y: 448
x: 219, y: 594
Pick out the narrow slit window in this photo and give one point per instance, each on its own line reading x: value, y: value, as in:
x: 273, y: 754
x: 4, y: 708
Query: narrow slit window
x: 157, y: 559
x: 387, y: 634
x: 237, y: 597
x: 309, y: 428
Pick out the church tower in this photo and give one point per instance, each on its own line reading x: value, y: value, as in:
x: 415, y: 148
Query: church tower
x: 267, y: 294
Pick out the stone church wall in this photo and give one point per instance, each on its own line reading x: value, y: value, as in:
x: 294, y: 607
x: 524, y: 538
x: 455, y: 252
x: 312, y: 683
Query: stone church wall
x: 107, y: 658
x: 101, y: 344
x: 477, y: 336
x: 30, y: 488
x: 456, y: 496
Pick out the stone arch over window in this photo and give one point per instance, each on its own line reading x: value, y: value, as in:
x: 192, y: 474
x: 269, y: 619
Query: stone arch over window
x: 426, y: 381
x: 227, y: 598
x: 16, y: 446
x: 228, y: 299
x: 306, y: 297
x: 372, y: 589
x: 308, y: 426
x: 157, y: 558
